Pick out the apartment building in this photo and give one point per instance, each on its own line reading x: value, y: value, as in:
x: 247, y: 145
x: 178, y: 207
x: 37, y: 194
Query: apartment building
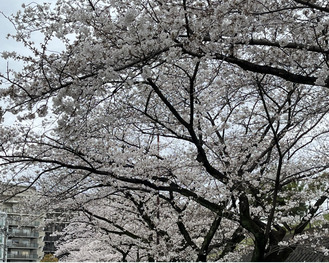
x: 52, y: 227
x: 3, y: 231
x: 23, y: 239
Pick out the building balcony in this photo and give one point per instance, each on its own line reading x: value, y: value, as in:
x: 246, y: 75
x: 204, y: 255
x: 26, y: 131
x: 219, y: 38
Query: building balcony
x: 32, y: 245
x: 10, y: 211
x: 20, y: 256
x: 22, y: 223
x: 23, y: 234
x: 49, y: 247
x: 49, y: 238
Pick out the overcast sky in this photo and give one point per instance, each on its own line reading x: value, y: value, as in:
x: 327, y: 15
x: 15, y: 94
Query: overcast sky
x: 7, y: 8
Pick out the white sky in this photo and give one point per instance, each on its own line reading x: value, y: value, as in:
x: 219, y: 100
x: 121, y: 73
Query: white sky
x: 7, y: 8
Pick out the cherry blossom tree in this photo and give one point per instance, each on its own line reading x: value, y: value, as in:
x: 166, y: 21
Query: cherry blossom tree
x: 174, y: 130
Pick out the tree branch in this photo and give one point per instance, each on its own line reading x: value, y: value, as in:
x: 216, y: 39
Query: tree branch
x: 204, y: 250
x: 312, y: 5
x: 264, y: 69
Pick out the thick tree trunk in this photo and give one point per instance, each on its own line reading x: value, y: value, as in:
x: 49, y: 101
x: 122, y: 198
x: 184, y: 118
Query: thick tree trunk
x: 251, y: 225
x: 202, y: 258
x: 259, y: 250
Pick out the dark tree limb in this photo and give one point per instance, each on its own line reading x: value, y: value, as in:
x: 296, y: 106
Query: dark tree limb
x: 203, y: 252
x: 308, y: 3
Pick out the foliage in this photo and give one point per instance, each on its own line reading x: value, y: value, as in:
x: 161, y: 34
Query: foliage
x: 49, y: 258
x: 326, y: 217
x: 173, y: 130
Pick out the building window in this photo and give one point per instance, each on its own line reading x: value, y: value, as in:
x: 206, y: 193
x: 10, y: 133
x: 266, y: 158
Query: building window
x: 25, y: 253
x: 26, y: 231
x: 15, y: 230
x: 25, y: 242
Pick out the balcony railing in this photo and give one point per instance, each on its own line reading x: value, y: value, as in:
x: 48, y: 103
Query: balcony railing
x: 11, y: 211
x: 49, y: 238
x: 22, y: 223
x: 22, y: 256
x: 22, y: 234
x: 49, y: 248
x: 19, y: 245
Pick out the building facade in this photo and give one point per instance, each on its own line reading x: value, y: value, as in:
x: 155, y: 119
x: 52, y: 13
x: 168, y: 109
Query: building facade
x: 52, y: 227
x: 22, y: 238
x: 3, y: 235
